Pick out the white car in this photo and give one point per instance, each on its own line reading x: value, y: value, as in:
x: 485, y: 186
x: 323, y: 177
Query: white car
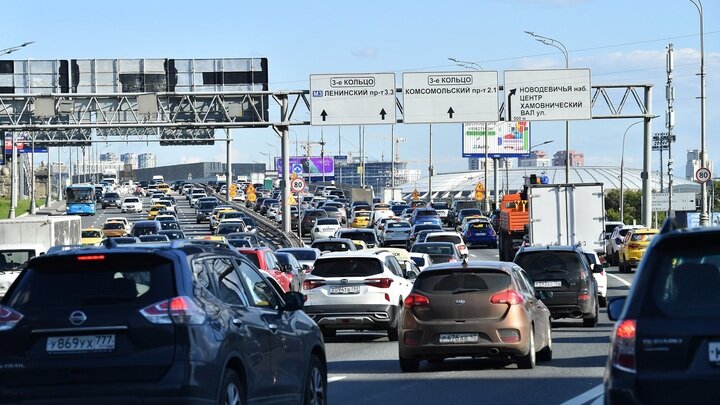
x: 240, y: 196
x: 600, y: 278
x: 422, y: 260
x: 273, y: 209
x: 356, y: 291
x: 155, y: 197
x: 616, y: 239
x: 453, y: 237
x: 324, y: 228
x: 131, y: 204
x: 195, y: 194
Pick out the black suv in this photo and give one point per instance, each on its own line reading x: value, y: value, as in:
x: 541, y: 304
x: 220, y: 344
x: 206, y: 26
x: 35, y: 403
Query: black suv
x: 308, y: 219
x: 204, y: 210
x: 665, y: 347
x: 155, y: 323
x: 455, y: 208
x: 564, y: 271
x: 111, y: 199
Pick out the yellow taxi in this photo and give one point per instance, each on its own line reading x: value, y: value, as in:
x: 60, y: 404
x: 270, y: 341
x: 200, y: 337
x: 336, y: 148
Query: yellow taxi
x: 361, y: 219
x: 114, y: 229
x: 91, y: 236
x: 633, y: 247
x: 165, y: 188
x: 152, y: 212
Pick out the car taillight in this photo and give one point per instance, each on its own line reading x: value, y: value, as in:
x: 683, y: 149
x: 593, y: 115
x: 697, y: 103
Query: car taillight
x: 8, y: 318
x: 379, y: 282
x: 91, y: 257
x: 583, y: 297
x: 634, y: 246
x: 510, y: 297
x: 623, y: 350
x: 310, y: 284
x: 178, y: 310
x: 415, y: 300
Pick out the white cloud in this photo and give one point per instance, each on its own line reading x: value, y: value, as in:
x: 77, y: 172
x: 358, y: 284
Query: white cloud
x: 190, y: 159
x: 367, y: 52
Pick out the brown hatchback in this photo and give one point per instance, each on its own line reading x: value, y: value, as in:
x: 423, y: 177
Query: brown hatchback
x: 474, y: 309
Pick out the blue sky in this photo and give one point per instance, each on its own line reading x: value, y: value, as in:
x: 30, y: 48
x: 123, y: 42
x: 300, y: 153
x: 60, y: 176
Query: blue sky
x: 621, y: 42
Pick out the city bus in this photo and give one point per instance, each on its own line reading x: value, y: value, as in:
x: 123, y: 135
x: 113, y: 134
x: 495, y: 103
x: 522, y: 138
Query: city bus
x: 80, y: 199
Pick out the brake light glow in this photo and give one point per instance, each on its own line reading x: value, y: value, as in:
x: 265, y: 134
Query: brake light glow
x: 310, y: 284
x: 178, y: 310
x: 415, y: 300
x: 91, y: 257
x: 8, y: 318
x: 379, y: 282
x: 510, y: 297
x: 623, y: 350
x: 583, y: 297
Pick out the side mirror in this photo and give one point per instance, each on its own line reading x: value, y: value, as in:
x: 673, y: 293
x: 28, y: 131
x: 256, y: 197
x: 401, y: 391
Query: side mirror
x: 294, y: 301
x: 618, y: 241
x: 306, y: 268
x: 615, y: 307
x: 597, y: 268
x: 543, y: 294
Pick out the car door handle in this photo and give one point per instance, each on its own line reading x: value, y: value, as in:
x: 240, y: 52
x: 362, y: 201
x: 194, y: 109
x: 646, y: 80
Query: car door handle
x: 236, y: 321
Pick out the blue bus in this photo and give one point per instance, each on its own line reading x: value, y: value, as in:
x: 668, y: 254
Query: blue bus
x: 80, y: 199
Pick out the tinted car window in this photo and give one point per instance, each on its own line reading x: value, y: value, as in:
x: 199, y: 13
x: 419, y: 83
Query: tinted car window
x: 238, y: 243
x: 440, y: 282
x: 367, y: 237
x: 541, y: 263
x: 327, y: 221
x: 419, y: 261
x: 65, y: 281
x: 331, y: 246
x: 253, y: 258
x: 258, y: 290
x: 355, y: 267
x: 434, y: 249
x: 426, y: 213
x: 114, y: 225
x: 91, y: 234
x: 443, y: 238
x: 303, y: 254
x: 642, y: 237
x: 229, y: 286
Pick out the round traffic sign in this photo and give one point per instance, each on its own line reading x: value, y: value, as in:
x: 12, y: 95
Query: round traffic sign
x: 297, y: 185
x: 703, y: 175
x: 479, y: 196
x: 251, y: 197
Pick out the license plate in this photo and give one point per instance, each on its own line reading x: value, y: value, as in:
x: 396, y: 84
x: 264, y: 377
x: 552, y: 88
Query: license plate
x: 548, y: 284
x: 714, y: 352
x: 88, y: 343
x: 345, y: 290
x: 454, y: 338
x: 326, y: 229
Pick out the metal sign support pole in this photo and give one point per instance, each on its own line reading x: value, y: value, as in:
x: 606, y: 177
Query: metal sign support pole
x: 32, y: 176
x: 13, y: 184
x: 646, y: 174
x: 285, y: 152
x: 228, y: 168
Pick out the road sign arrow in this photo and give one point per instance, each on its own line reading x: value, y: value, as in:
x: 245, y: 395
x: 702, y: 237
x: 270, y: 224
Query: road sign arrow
x: 383, y: 113
x: 323, y: 114
x: 509, y: 103
x: 450, y: 112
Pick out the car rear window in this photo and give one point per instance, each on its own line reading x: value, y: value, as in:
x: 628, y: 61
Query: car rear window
x: 303, y: 254
x: 419, y: 261
x: 331, y: 246
x: 442, y: 250
x: 398, y: 225
x: 114, y: 225
x: 685, y: 280
x: 91, y: 234
x: 642, y: 237
x: 449, y: 282
x: 544, y: 262
x: 443, y: 238
x: 327, y: 221
x: 108, y: 279
x: 427, y: 213
x: 132, y: 200
x: 253, y: 258
x: 479, y: 225
x: 347, y: 267
x: 367, y: 237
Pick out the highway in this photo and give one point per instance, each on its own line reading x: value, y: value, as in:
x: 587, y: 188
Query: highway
x: 363, y: 367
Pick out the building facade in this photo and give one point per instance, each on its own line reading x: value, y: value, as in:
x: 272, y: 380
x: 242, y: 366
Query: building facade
x: 576, y: 159
x: 130, y: 159
x: 376, y: 174
x: 108, y: 157
x: 147, y: 160
x: 693, y: 163
x: 537, y: 158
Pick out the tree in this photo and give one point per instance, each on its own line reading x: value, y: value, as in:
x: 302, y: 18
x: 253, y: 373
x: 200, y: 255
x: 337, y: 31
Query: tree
x: 632, y: 204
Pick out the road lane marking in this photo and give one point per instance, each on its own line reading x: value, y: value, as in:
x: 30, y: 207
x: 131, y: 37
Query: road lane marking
x: 336, y: 378
x: 620, y: 280
x: 586, y: 396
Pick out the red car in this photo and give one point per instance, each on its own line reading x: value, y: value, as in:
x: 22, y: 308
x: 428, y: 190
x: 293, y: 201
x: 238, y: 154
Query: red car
x: 264, y: 258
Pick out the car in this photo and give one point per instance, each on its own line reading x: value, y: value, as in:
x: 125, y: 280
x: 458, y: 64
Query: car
x: 167, y: 204
x: 266, y: 205
x: 395, y: 233
x: 422, y: 260
x: 439, y: 252
x: 196, y: 194
x: 165, y: 217
x: 442, y: 208
x: 665, y: 335
x: 406, y: 214
x: 334, y: 212
x: 145, y: 228
x: 453, y: 237
x: 153, y: 210
x: 198, y: 325
x: 215, y: 216
x: 633, y: 247
x: 334, y: 245
x: 607, y: 234
x: 110, y: 199
x: 464, y: 213
x: 398, y: 208
x: 356, y: 291
x: 360, y: 219
x: 91, y: 236
x: 503, y: 316
x: 565, y: 271
x: 307, y: 221
x: 273, y: 210
x: 114, y: 229
x: 305, y: 256
x: 230, y: 226
x: 470, y: 218
x: 173, y: 234
x: 600, y: 277
x: 264, y: 259
x: 479, y: 233
x: 617, y: 237
x: 416, y: 229
x: 290, y: 265
x: 131, y: 204
x: 455, y: 207
x: 157, y: 238
x: 324, y: 228
x: 250, y: 236
x: 171, y: 225
x: 366, y: 235
x: 378, y: 214
x: 167, y: 213
x: 186, y: 188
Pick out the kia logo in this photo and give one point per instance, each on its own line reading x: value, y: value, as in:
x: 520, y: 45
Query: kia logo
x: 460, y: 301
x: 77, y: 318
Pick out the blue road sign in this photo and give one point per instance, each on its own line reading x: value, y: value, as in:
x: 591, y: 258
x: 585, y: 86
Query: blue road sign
x: 296, y: 168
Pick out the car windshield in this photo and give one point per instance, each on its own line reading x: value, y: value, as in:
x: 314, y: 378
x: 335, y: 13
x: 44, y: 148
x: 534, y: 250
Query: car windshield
x: 331, y: 246
x: 91, y: 234
x: 543, y: 263
x: 367, y: 237
x: 440, y: 205
x: 327, y: 221
x: 467, y: 280
x: 426, y: 213
x: 303, y: 254
x: 166, y: 225
x: 347, y: 267
x: 207, y: 206
x: 443, y: 238
x: 434, y: 249
x: 642, y: 237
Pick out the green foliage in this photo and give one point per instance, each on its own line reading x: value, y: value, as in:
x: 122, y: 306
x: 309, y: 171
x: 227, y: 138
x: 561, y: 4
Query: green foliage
x: 22, y: 207
x: 633, y: 209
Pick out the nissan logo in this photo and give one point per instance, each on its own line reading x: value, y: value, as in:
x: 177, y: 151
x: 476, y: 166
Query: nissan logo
x: 77, y: 318
x: 460, y: 301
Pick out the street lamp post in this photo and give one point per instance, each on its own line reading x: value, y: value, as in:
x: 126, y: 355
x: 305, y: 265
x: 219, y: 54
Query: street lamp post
x: 559, y: 45
x: 15, y: 48
x: 703, y: 186
x: 622, y: 172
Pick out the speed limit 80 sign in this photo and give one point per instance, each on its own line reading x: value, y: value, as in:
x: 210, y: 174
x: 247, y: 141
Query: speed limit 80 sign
x: 703, y: 175
x: 297, y: 185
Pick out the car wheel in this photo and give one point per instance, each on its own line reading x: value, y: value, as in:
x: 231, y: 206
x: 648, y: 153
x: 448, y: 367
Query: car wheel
x: 603, y: 301
x: 528, y: 361
x: 546, y: 353
x: 409, y: 365
x: 232, y: 391
x: 392, y: 333
x: 591, y: 322
x: 316, y: 383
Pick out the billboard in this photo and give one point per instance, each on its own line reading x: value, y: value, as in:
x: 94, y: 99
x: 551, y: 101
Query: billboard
x: 312, y: 168
x: 505, y: 139
x: 24, y: 143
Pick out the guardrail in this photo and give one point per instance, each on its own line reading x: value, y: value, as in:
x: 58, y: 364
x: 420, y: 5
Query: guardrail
x: 268, y: 226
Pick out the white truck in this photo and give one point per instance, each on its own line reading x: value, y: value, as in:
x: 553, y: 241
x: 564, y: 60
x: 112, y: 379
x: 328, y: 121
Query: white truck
x: 26, y: 237
x: 566, y: 214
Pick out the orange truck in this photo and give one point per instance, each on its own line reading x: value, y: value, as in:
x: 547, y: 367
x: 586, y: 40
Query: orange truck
x: 514, y: 218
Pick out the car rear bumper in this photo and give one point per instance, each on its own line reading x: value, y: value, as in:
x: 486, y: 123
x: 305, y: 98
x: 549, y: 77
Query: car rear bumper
x: 480, y: 240
x: 582, y: 309
x: 372, y: 317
